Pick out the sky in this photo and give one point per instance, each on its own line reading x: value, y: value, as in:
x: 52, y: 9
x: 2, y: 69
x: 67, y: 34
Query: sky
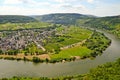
x: 41, y: 7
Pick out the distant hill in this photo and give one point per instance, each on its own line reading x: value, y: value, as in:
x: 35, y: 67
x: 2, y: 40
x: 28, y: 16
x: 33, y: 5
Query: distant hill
x: 16, y: 19
x: 62, y: 18
x: 109, y: 22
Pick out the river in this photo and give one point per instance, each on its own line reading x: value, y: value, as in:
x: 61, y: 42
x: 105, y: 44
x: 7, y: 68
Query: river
x: 10, y: 68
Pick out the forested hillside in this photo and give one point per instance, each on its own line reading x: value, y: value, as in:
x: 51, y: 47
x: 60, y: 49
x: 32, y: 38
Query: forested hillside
x: 62, y: 18
x: 108, y: 23
x: 16, y: 19
x: 111, y: 24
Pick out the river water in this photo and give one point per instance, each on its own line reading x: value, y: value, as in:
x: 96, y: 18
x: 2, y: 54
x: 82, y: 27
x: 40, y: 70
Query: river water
x: 10, y: 68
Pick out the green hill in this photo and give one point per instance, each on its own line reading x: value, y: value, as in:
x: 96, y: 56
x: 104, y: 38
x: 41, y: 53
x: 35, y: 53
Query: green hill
x: 111, y: 23
x: 16, y: 19
x: 104, y: 22
x: 62, y: 18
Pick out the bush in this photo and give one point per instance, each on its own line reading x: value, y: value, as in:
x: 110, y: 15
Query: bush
x: 18, y: 59
x: 1, y: 57
x: 9, y: 58
x: 46, y: 60
x: 36, y: 60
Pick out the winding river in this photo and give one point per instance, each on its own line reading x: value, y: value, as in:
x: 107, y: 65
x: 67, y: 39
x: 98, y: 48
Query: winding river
x: 10, y: 68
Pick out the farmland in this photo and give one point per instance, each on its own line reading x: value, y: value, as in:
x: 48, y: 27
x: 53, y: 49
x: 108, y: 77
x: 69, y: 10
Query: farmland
x: 58, y: 42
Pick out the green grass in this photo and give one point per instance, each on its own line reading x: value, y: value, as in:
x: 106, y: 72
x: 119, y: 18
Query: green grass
x: 76, y: 35
x: 92, y: 47
x: 67, y: 36
x: 71, y: 52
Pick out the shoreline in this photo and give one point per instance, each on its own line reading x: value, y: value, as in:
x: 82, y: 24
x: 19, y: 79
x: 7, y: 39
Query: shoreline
x: 40, y: 58
x: 23, y: 57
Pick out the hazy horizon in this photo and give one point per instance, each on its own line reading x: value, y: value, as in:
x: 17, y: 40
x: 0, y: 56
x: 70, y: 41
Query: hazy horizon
x: 42, y: 7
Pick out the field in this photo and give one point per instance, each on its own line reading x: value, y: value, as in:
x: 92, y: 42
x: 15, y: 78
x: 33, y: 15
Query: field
x: 77, y: 52
x: 67, y: 36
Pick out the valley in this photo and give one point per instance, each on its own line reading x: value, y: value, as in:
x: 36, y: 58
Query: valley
x: 57, y: 42
x: 59, y: 39
x: 71, y: 45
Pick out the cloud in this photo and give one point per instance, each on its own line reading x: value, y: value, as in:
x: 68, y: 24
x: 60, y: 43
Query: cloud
x: 106, y: 10
x: 12, y: 2
x: 67, y: 8
x: 73, y: 6
x: 90, y: 1
x: 65, y: 1
x: 25, y: 3
x: 12, y: 10
x: 35, y: 7
x: 61, y: 1
x: 70, y: 1
x: 20, y: 2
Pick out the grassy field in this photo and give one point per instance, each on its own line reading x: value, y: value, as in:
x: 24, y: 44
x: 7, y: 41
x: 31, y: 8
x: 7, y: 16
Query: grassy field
x: 94, y: 45
x: 78, y: 51
x: 65, y: 36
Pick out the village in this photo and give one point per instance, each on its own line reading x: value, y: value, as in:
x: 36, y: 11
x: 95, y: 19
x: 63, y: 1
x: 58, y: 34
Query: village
x: 20, y: 39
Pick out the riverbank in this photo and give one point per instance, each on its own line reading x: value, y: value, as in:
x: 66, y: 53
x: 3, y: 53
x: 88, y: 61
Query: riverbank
x: 25, y: 58
x: 38, y: 58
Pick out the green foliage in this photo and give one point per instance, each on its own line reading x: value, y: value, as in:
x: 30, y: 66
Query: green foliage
x: 1, y: 52
x: 12, y: 52
x: 26, y: 78
x: 97, y: 43
x: 71, y: 52
x: 52, y: 47
x: 10, y: 58
x: 66, y: 36
x: 32, y: 49
x: 108, y: 71
x: 36, y: 60
x: 111, y: 24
